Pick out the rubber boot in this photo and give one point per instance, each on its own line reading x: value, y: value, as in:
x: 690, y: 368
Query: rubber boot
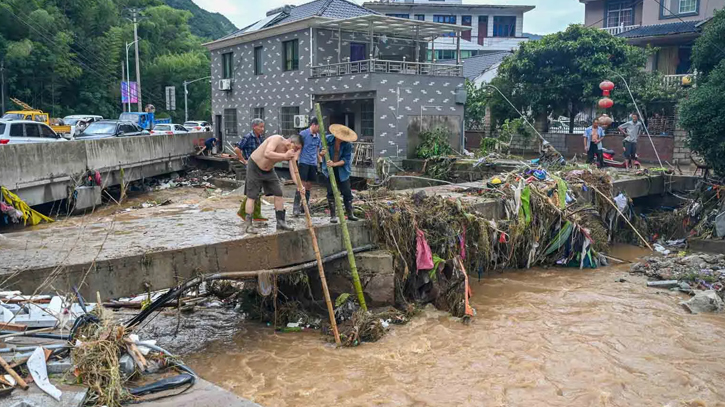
x: 281, y: 222
x: 333, y: 216
x: 258, y: 211
x: 248, y: 227
x: 296, y: 208
x: 350, y: 212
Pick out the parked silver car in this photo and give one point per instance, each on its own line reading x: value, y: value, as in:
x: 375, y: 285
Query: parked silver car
x: 196, y: 126
x: 26, y: 131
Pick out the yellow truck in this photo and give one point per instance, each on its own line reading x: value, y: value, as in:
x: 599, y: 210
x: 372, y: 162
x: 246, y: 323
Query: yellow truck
x: 28, y: 113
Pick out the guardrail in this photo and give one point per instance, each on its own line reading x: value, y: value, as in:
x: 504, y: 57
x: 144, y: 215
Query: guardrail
x: 384, y: 66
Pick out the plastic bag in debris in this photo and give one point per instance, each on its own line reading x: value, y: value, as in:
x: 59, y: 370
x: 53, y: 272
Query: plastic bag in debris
x: 424, y: 257
x: 661, y: 249
x: 264, y: 283
x: 621, y: 201
x: 39, y: 371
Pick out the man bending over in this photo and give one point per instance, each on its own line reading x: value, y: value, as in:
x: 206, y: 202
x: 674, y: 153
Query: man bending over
x: 260, y: 174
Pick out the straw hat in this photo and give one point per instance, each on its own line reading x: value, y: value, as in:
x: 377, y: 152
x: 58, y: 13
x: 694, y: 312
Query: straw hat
x: 343, y: 133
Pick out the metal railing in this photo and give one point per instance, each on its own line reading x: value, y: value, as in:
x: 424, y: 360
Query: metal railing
x: 384, y: 66
x: 363, y: 154
x: 620, y: 28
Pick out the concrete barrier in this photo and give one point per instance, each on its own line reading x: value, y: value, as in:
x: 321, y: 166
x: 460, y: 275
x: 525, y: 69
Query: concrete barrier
x: 46, y: 172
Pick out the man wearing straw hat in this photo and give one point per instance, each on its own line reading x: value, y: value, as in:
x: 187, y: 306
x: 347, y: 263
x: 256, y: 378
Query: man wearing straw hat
x: 339, y: 143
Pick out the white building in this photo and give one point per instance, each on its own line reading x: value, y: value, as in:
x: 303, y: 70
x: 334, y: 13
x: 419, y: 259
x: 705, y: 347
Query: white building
x: 494, y: 28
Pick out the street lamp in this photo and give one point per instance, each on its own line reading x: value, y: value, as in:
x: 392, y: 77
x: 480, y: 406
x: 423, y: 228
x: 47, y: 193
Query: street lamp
x: 128, y: 76
x: 186, y: 98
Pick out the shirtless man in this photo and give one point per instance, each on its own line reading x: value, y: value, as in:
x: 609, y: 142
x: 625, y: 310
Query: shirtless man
x: 260, y: 173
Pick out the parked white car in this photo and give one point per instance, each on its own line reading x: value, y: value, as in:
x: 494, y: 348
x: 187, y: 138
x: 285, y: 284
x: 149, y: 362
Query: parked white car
x: 197, y: 126
x: 73, y: 120
x: 26, y: 131
x: 169, y: 129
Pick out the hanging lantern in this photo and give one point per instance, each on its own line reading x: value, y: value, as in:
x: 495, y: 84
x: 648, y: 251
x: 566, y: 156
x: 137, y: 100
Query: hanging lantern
x: 606, y: 87
x: 606, y: 103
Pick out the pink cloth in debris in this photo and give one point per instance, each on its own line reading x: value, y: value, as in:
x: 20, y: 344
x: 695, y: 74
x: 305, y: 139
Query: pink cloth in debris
x: 424, y: 257
x: 462, y: 240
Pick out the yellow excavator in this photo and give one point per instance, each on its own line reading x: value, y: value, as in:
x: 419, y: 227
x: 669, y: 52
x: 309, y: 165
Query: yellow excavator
x: 28, y: 113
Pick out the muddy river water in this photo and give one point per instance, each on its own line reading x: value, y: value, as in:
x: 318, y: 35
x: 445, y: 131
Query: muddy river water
x: 556, y: 337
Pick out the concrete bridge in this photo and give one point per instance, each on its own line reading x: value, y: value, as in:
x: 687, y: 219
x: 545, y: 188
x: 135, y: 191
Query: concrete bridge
x: 45, y: 172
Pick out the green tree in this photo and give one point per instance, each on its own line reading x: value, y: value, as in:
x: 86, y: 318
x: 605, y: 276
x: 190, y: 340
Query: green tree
x: 475, y: 107
x: 561, y: 72
x: 703, y: 111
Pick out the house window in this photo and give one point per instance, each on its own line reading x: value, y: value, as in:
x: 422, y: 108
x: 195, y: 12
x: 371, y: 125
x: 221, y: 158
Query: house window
x: 420, y: 17
x: 443, y: 54
x: 227, y: 65
x: 482, y: 28
x: 688, y: 6
x: 446, y: 20
x: 367, y: 119
x: 287, y: 120
x: 398, y: 15
x: 504, y: 26
x: 620, y: 13
x: 230, y: 122
x: 291, y: 55
x: 674, y: 8
x: 258, y: 62
x: 258, y: 113
x: 466, y: 21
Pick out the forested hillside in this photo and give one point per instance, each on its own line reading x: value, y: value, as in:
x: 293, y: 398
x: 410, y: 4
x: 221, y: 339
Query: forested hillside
x: 65, y: 56
x: 203, y: 23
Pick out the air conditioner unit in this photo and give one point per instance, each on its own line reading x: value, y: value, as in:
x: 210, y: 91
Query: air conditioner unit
x: 225, y: 84
x: 301, y: 121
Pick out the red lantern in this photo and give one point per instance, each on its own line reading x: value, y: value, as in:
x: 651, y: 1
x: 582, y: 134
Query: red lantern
x: 606, y: 103
x: 606, y: 87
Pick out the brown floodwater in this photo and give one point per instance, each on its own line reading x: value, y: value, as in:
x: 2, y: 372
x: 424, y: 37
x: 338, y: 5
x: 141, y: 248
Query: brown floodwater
x: 545, y: 337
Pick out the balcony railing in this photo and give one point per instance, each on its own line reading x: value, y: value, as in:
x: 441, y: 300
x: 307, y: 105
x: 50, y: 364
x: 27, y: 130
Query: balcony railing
x: 620, y: 28
x: 383, y: 66
x: 673, y: 81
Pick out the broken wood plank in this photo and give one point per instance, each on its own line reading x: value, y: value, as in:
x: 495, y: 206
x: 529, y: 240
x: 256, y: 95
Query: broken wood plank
x: 14, y: 374
x: 6, y: 326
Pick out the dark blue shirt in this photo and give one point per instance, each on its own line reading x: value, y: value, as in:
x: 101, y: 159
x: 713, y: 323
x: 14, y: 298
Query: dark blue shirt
x: 311, y: 147
x: 249, y: 143
x: 345, y: 155
x: 210, y: 142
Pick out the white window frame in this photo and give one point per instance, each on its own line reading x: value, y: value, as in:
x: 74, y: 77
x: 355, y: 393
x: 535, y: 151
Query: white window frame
x: 693, y: 6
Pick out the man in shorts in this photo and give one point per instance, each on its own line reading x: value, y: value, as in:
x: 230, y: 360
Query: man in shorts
x: 632, y: 130
x: 260, y: 174
x: 307, y: 162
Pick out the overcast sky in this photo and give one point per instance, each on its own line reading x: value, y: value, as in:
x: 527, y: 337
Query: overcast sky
x: 555, y: 16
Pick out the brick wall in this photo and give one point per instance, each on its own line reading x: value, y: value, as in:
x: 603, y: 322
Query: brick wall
x: 473, y: 139
x: 681, y: 153
x: 664, y: 144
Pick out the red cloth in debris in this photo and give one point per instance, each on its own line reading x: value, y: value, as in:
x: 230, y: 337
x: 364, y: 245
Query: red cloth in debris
x: 97, y: 178
x: 424, y: 257
x: 462, y: 240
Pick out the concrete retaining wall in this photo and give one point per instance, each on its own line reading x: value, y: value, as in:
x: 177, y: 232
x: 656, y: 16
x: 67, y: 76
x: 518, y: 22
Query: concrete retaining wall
x: 42, y: 172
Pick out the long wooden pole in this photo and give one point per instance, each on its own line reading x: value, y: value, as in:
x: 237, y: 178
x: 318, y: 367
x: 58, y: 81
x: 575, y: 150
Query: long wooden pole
x: 23, y: 385
x: 622, y: 215
x: 316, y: 248
x: 341, y: 214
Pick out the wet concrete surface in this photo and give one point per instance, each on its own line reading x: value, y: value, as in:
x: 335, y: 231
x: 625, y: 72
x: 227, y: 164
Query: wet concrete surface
x: 195, y: 217
x: 542, y: 337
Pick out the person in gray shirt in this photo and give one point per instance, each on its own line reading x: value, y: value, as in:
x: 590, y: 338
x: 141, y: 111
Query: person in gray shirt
x: 631, y: 130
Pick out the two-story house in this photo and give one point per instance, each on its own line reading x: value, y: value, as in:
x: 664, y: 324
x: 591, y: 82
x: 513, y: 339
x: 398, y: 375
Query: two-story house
x: 493, y: 28
x: 669, y: 25
x: 368, y: 71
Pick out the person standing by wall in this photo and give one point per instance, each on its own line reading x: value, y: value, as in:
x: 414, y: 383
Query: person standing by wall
x: 339, y: 143
x: 631, y: 130
x: 244, y: 149
x: 307, y: 162
x: 593, y: 136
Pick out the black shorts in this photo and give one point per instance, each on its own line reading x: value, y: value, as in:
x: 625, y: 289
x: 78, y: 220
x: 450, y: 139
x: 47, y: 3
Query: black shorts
x: 308, y: 172
x: 630, y: 150
x: 258, y: 179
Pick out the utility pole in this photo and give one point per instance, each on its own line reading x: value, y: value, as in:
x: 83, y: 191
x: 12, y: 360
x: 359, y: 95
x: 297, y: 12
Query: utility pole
x: 134, y: 12
x: 2, y: 84
x: 128, y: 79
x: 186, y: 98
x: 123, y: 78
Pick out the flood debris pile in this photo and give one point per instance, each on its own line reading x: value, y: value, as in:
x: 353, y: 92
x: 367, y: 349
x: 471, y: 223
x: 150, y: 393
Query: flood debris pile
x: 699, y: 275
x: 550, y: 219
x: 85, y: 345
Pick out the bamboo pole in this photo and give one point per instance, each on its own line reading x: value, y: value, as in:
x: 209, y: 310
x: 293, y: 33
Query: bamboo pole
x: 316, y: 248
x: 23, y: 385
x: 341, y: 213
